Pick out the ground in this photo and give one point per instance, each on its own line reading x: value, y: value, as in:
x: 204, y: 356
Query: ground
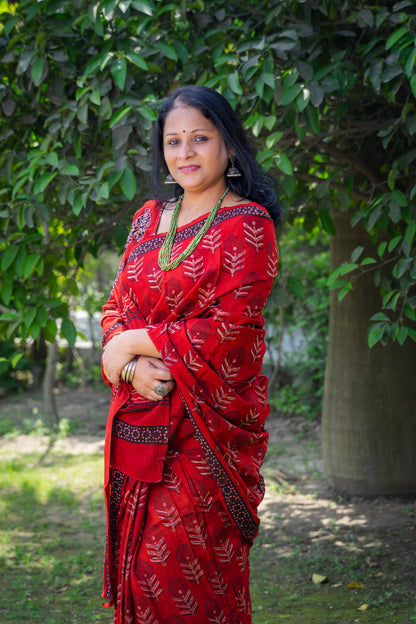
x: 320, y: 556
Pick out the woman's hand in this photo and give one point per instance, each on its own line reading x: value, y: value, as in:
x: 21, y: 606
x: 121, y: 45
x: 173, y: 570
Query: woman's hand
x: 115, y: 356
x: 149, y: 373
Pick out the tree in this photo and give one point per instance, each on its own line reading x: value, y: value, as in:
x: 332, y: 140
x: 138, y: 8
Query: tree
x: 327, y: 90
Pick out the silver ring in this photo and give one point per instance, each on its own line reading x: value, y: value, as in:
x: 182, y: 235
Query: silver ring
x: 160, y: 390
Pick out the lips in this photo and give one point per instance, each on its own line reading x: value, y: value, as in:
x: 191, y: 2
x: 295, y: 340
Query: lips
x: 189, y: 169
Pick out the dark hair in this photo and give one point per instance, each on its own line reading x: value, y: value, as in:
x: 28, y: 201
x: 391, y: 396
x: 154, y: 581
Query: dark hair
x: 253, y: 183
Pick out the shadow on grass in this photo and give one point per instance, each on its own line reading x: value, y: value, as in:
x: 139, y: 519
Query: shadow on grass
x: 363, y: 550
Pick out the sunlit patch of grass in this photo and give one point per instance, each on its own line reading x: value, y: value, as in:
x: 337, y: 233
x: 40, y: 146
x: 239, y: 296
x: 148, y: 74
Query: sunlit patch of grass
x: 51, y: 539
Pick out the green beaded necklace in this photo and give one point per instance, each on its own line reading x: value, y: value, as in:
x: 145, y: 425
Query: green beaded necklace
x: 166, y: 249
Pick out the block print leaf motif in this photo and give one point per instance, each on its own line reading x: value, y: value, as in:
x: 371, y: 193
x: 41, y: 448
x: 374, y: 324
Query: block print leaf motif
x: 148, y: 580
x: 254, y: 235
x: 272, y: 261
x: 202, y: 496
x: 154, y: 276
x: 158, y: 549
x: 189, y: 563
x: 222, y: 545
x: 242, y: 558
x: 212, y: 240
x: 167, y: 512
x: 234, y: 261
x: 214, y: 612
x: 227, y: 332
x: 171, y: 479
x: 193, y: 267
x: 192, y: 363
x: 174, y: 293
x: 256, y: 351
x: 134, y: 270
x: 199, y: 460
x: 199, y: 333
x: 196, y: 533
x: 143, y: 613
x: 216, y: 578
x: 241, y: 594
x: 182, y: 595
x: 251, y: 418
x: 261, y: 395
x: 242, y: 291
x: 206, y: 295
x: 222, y: 398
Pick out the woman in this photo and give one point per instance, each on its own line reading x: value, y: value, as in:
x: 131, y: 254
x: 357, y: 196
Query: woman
x: 183, y: 349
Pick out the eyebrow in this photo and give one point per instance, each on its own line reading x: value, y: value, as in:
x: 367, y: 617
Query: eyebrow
x: 191, y: 132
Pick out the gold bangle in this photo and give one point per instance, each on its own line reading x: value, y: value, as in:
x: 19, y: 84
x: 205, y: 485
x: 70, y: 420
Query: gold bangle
x: 127, y: 374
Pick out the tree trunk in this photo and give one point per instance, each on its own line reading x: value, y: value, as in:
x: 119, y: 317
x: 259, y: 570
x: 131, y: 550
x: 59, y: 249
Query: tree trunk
x: 368, y: 421
x: 49, y: 385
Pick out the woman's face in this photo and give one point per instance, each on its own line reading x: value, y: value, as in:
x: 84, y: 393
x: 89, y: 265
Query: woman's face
x: 194, y: 150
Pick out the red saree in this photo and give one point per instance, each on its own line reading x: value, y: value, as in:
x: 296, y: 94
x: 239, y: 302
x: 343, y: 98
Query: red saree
x: 182, y: 476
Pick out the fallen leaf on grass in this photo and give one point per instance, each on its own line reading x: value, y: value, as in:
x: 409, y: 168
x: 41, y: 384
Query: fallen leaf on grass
x: 355, y: 585
x: 363, y: 607
x: 318, y: 579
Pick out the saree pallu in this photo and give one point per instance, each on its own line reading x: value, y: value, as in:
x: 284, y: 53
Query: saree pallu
x: 182, y: 476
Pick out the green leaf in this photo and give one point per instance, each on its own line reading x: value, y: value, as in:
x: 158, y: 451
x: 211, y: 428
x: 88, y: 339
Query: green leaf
x: 234, y: 83
x: 37, y: 70
x: 68, y: 331
x: 143, y: 6
x: 312, y: 118
x: 399, y: 198
x: 409, y: 311
x: 8, y: 257
x: 326, y: 221
x: 357, y: 253
x: 394, y: 242
x: 410, y: 63
x: 366, y: 261
x: 382, y: 248
x: 118, y: 116
x: 375, y: 335
x: 283, y: 163
x: 166, y: 50
x: 410, y: 233
x: 402, y: 335
x: 290, y: 94
x: 137, y: 60
x: 413, y: 84
x: 77, y: 203
x: 71, y: 170
x: 95, y: 97
x: 147, y: 113
x: 6, y: 292
x: 119, y: 71
x: 29, y: 316
x: 29, y: 265
x: 348, y: 267
x: 296, y: 287
x: 16, y: 359
x: 380, y: 316
x: 396, y: 36
x: 44, y: 181
x: 128, y: 183
x: 344, y: 291
x: 51, y: 330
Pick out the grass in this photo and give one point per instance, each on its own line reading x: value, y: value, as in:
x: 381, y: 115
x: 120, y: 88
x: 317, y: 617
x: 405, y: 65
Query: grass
x: 51, y: 540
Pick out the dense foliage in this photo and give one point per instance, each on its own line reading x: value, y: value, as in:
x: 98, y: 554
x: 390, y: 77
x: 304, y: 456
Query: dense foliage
x: 327, y: 90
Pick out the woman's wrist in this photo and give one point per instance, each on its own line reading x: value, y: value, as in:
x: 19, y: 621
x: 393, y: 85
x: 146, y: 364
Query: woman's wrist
x: 127, y: 374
